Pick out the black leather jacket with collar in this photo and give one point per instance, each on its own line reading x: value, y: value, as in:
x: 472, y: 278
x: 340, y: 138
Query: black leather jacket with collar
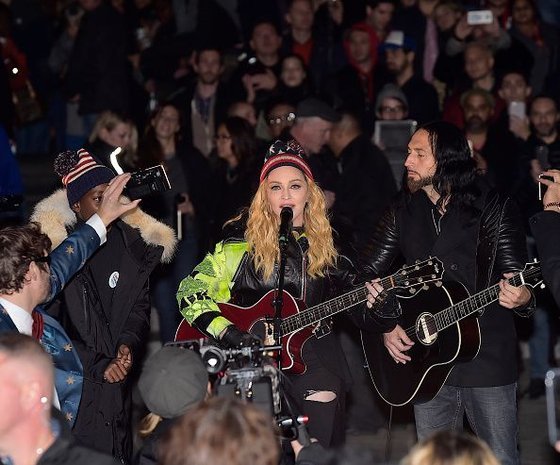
x: 501, y: 248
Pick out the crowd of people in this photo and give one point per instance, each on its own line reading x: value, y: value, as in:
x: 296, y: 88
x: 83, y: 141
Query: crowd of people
x: 253, y: 108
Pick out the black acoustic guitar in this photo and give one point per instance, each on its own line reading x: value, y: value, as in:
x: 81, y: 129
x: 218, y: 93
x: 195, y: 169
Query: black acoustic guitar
x: 443, y: 325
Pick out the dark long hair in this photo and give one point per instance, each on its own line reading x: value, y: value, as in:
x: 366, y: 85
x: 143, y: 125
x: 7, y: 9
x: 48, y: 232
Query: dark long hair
x: 243, y: 140
x: 150, y: 151
x: 456, y: 169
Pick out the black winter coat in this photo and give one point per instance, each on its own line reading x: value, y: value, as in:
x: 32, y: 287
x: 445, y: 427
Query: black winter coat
x: 97, y: 70
x: 363, y: 189
x: 546, y: 230
x: 64, y: 451
x: 103, y: 421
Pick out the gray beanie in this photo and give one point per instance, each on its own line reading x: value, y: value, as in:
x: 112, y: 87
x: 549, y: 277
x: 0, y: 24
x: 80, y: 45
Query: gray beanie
x: 390, y: 91
x: 172, y: 381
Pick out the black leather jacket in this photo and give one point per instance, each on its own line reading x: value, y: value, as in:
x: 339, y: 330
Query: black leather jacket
x: 500, y: 248
x: 197, y: 292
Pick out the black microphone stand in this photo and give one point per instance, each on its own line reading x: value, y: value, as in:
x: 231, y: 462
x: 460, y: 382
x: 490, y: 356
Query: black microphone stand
x: 278, y: 301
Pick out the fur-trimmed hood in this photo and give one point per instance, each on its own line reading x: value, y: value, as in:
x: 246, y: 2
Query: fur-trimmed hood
x: 55, y: 216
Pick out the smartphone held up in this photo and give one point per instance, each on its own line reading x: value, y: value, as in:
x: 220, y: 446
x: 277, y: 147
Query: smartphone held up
x: 479, y: 17
x: 542, y: 187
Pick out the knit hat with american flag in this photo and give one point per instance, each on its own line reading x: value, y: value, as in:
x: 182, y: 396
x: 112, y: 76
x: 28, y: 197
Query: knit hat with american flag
x: 80, y: 173
x: 282, y: 153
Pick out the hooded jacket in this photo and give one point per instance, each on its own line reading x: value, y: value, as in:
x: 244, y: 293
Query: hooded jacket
x: 97, y: 330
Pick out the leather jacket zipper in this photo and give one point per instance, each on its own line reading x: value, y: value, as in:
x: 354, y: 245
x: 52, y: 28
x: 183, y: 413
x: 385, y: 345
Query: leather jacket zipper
x: 303, y: 282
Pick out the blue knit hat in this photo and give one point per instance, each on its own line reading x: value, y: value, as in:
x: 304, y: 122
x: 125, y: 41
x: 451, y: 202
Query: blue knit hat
x: 80, y: 173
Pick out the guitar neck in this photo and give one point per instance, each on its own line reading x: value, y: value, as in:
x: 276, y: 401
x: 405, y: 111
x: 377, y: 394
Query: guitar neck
x: 331, y: 307
x: 476, y: 302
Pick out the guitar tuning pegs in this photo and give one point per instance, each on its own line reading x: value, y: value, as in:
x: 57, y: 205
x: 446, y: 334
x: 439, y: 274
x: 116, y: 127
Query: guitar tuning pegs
x: 439, y: 283
x: 420, y: 280
x: 425, y: 287
x: 542, y: 286
x: 412, y: 290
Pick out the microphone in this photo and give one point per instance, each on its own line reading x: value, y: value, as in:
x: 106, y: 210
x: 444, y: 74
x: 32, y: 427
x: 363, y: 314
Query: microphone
x: 286, y: 216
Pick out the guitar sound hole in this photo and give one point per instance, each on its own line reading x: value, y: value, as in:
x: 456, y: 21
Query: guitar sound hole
x: 426, y: 329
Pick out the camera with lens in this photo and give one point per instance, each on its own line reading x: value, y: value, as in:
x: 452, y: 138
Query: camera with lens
x: 247, y: 373
x: 146, y: 182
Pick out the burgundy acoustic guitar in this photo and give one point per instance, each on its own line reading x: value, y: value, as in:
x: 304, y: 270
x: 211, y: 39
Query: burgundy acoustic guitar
x: 298, y: 323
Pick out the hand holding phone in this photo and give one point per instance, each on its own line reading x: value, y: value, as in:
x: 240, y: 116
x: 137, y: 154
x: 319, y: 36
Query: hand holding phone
x: 551, y: 180
x: 552, y: 384
x: 543, y: 185
x: 517, y: 109
x: 479, y: 17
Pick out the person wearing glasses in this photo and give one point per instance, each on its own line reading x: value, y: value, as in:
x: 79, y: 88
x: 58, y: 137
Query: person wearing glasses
x: 31, y: 275
x: 391, y: 103
x: 280, y: 115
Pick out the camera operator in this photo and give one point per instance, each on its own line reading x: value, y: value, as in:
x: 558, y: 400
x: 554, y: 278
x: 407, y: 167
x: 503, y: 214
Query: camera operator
x: 173, y: 381
x: 243, y: 268
x: 546, y: 230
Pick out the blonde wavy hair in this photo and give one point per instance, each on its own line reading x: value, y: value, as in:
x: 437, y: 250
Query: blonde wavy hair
x: 148, y: 424
x: 262, y: 232
x: 451, y: 448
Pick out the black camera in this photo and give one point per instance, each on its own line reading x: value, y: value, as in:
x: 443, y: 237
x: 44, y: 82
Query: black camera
x: 247, y: 373
x: 147, y: 182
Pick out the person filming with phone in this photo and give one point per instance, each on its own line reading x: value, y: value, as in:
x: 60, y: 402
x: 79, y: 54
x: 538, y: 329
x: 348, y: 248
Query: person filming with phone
x: 545, y: 226
x: 544, y: 141
x: 546, y: 230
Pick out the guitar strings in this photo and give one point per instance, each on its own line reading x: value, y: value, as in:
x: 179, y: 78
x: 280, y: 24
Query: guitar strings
x: 486, y: 293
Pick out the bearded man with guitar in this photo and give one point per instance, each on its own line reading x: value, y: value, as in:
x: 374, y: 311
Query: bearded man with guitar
x: 451, y: 212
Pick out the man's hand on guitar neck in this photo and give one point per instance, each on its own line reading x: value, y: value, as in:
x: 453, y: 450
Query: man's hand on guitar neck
x: 375, y: 292
x: 398, y: 342
x: 511, y: 296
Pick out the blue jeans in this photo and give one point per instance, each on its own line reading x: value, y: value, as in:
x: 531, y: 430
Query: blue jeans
x: 538, y: 344
x: 166, y: 283
x: 33, y: 138
x: 540, y: 336
x: 491, y: 412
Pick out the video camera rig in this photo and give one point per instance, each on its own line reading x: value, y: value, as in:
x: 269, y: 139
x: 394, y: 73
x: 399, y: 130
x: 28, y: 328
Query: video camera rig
x: 249, y: 374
